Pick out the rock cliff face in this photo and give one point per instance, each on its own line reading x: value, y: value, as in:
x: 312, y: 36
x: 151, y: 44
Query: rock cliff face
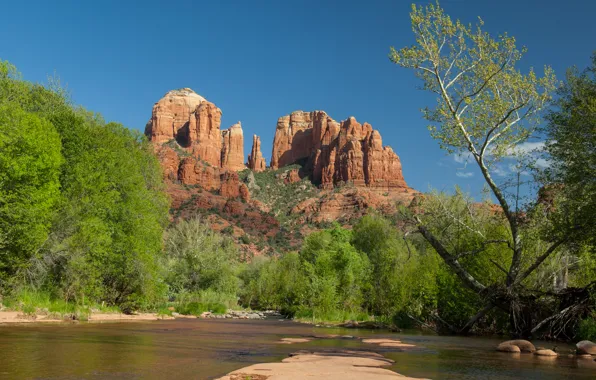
x: 232, y: 152
x: 171, y: 115
x: 185, y: 131
x: 333, y: 153
x: 190, y: 123
x: 256, y: 161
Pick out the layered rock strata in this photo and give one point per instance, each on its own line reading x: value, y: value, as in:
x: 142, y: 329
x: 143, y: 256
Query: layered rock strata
x: 185, y: 131
x: 333, y: 153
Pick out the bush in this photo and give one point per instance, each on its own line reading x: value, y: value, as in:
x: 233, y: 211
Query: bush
x: 587, y: 328
x: 199, y: 259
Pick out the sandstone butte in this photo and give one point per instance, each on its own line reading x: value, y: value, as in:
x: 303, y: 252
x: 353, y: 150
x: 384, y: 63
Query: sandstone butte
x: 193, y: 150
x: 333, y: 153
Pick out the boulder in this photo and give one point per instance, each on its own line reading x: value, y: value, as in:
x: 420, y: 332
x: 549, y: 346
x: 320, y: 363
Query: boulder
x: 545, y: 352
x: 251, y: 182
x: 505, y: 347
x: 586, y: 347
x: 523, y: 345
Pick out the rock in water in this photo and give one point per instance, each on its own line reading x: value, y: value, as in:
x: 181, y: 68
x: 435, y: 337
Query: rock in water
x: 586, y: 347
x: 505, y: 347
x: 545, y: 353
x: 523, y: 345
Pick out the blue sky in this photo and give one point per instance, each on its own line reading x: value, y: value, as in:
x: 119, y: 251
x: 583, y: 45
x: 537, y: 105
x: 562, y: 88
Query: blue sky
x: 259, y: 60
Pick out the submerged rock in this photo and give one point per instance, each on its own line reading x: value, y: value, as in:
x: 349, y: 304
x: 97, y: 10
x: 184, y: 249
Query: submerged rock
x: 523, y: 345
x: 586, y: 347
x: 545, y: 352
x: 506, y: 347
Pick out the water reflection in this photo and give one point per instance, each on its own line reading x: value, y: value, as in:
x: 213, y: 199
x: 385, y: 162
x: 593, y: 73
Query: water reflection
x: 205, y: 349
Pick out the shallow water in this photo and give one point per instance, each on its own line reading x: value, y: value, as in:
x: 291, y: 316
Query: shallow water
x: 206, y: 349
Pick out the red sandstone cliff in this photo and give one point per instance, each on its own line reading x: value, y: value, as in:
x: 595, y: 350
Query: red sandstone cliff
x: 256, y: 161
x: 232, y: 152
x: 334, y: 153
x: 185, y: 131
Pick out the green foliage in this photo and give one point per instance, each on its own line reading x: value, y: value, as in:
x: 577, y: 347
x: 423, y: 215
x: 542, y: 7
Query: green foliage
x: 483, y: 99
x: 199, y: 259
x: 94, y: 224
x: 281, y: 196
x: 587, y: 329
x: 571, y: 148
x: 30, y: 160
x: 347, y: 275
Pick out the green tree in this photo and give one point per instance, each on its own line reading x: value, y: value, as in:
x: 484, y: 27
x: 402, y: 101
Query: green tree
x: 486, y: 108
x: 198, y: 259
x: 106, y: 214
x: 30, y: 160
x: 571, y: 148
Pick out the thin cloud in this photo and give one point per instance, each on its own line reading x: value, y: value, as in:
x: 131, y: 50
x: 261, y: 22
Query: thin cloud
x: 462, y: 158
x: 464, y: 174
x: 499, y: 171
x: 526, y: 148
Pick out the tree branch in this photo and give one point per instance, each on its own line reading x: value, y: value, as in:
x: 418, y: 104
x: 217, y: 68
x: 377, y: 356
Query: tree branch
x: 540, y: 259
x: 476, y: 318
x: 450, y: 260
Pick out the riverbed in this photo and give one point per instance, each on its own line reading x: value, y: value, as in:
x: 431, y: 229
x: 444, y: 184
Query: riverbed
x: 207, y: 349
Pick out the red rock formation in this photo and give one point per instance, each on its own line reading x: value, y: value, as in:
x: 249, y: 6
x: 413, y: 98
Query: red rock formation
x: 185, y: 131
x: 292, y: 176
x: 171, y: 114
x: 193, y: 172
x: 333, y: 153
x: 232, y: 151
x: 244, y: 192
x: 230, y: 185
x: 256, y: 161
x: 205, y: 135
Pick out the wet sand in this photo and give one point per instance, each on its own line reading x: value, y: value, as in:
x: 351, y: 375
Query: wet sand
x: 335, y: 365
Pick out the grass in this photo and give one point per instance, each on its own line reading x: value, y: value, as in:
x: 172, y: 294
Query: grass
x: 31, y: 302
x: 330, y: 316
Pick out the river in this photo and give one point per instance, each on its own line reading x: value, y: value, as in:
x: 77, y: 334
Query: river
x: 207, y: 349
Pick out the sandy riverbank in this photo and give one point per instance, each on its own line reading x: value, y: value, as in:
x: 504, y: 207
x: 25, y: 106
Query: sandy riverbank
x: 19, y: 317
x: 336, y: 365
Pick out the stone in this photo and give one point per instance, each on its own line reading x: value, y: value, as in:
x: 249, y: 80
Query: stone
x: 505, y: 347
x: 244, y: 193
x: 523, y: 345
x: 292, y: 176
x: 333, y: 153
x: 256, y: 162
x: 171, y: 115
x: 545, y: 352
x: 169, y: 161
x: 194, y: 172
x: 232, y: 151
x: 586, y: 347
x: 230, y: 185
x: 204, y: 135
x: 251, y: 182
